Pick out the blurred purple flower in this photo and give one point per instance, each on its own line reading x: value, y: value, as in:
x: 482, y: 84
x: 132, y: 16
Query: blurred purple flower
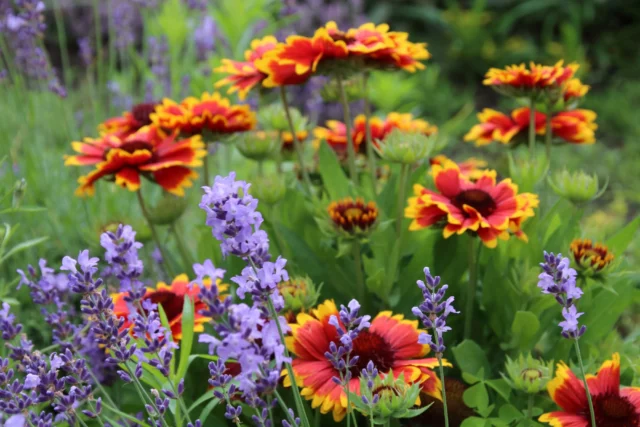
x: 85, y: 50
x: 204, y: 37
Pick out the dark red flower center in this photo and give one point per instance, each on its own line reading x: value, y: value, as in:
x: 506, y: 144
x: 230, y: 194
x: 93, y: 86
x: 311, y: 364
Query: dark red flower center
x: 132, y: 146
x: 141, y: 113
x: 171, y: 303
x: 371, y: 346
x: 613, y: 410
x: 477, y: 199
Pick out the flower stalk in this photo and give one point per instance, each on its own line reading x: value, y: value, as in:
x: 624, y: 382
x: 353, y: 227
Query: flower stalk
x: 351, y: 151
x: 154, y: 233
x: 586, y: 385
x: 444, y: 388
x: 471, y: 289
x: 548, y: 134
x: 532, y: 128
x: 371, y: 155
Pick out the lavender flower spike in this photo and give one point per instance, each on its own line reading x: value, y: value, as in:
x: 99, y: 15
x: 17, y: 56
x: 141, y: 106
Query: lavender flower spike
x: 559, y: 280
x: 433, y: 312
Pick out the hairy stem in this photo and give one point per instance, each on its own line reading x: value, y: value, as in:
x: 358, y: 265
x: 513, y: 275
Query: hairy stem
x: 351, y: 151
x: 154, y: 233
x: 371, y: 155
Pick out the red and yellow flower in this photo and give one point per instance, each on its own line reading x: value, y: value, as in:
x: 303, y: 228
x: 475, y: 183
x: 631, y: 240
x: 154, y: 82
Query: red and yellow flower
x: 589, y: 256
x: 335, y: 131
x: 130, y: 121
x: 287, y: 139
x: 575, y: 126
x: 294, y: 61
x: 353, y: 217
x: 471, y: 168
x: 391, y: 343
x: 148, y: 152
x: 491, y: 210
x: 171, y: 298
x: 536, y: 77
x: 211, y: 113
x: 613, y: 406
x: 574, y: 89
x: 496, y: 126
x: 244, y: 75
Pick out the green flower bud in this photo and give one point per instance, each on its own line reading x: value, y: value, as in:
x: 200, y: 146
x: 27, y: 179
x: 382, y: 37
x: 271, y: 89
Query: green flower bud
x: 527, y: 173
x: 395, y: 399
x: 168, y: 209
x: 577, y: 187
x: 405, y: 147
x: 274, y: 117
x: 268, y: 189
x: 258, y: 145
x: 528, y: 374
x: 300, y: 295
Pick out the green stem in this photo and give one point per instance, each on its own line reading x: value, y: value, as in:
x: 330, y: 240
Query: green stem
x: 371, y: 155
x: 586, y: 386
x: 124, y: 415
x: 357, y: 264
x: 297, y: 145
x: 269, y: 400
x: 404, y: 169
x: 296, y: 391
x: 260, y: 168
x: 532, y: 128
x: 444, y: 388
x: 284, y: 407
x: 548, y: 134
x: 277, y: 238
x: 94, y: 409
x: 471, y: 290
x: 205, y: 169
x: 184, y: 252
x: 530, y: 407
x: 154, y: 233
x: 144, y: 396
x: 351, y: 151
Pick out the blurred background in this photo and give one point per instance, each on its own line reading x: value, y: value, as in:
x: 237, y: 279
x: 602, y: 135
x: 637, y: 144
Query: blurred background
x: 67, y: 65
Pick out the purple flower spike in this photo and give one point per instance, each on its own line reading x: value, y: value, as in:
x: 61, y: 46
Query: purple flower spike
x: 433, y: 312
x: 559, y: 279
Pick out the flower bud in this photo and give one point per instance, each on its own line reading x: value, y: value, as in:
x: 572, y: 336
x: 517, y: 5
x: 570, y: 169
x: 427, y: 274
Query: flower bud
x: 528, y: 374
x: 405, y: 147
x: 351, y: 218
x: 268, y: 189
x: 353, y: 88
x: 591, y: 259
x: 577, y: 187
x: 389, y: 398
x: 258, y: 145
x: 168, y: 209
x: 274, y: 117
x: 300, y: 295
x: 527, y: 173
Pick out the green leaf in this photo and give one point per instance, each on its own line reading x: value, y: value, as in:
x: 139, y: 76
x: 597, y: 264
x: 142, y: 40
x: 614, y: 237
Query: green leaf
x: 22, y: 246
x: 186, y: 343
x: 476, y: 397
x: 335, y: 181
x: 165, y: 323
x: 509, y: 413
x: 474, y: 422
x: 501, y: 387
x: 471, y: 358
x: 207, y: 411
x: 619, y: 242
x: 524, y: 329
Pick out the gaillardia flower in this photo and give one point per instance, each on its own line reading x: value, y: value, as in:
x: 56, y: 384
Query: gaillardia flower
x: 294, y: 61
x: 485, y: 207
x: 243, y: 75
x: 518, y: 80
x: 130, y: 121
x: 171, y: 299
x: 147, y: 152
x: 591, y: 258
x: 300, y: 295
x: 353, y: 217
x: 209, y: 113
x: 391, y: 343
x: 527, y: 373
x: 575, y: 126
x: 613, y: 406
x: 573, y: 89
x: 496, y: 126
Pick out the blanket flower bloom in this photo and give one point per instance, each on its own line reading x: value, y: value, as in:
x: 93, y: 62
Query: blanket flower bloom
x: 471, y: 168
x: 391, y: 342
x: 613, y: 406
x: 130, y: 122
x: 518, y: 80
x: 353, y: 216
x: 496, y: 126
x: 148, y: 152
x: 591, y: 258
x: 244, y: 75
x: 575, y: 126
x: 491, y: 210
x: 211, y: 113
x: 573, y: 90
x: 335, y: 132
x: 171, y: 298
